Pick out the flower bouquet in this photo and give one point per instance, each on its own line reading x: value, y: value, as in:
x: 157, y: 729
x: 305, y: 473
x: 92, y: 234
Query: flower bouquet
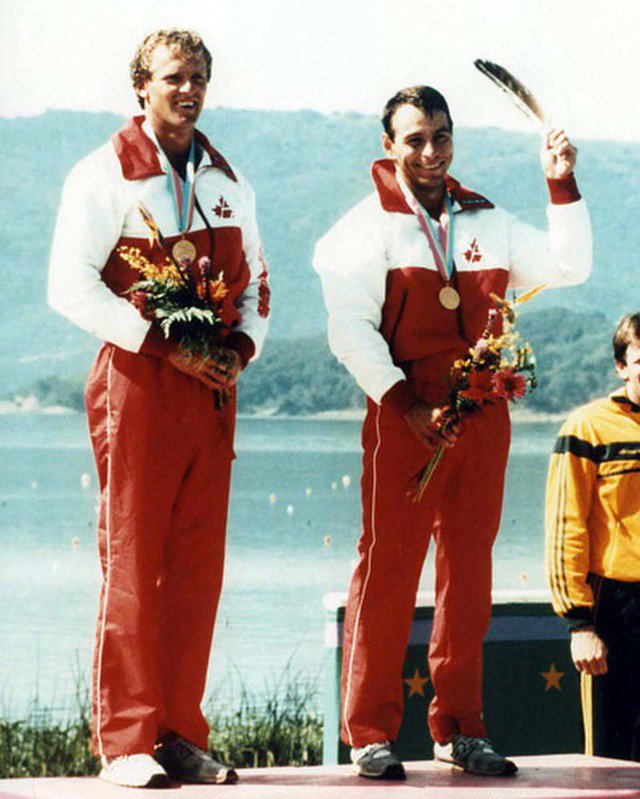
x: 499, y: 366
x: 186, y: 302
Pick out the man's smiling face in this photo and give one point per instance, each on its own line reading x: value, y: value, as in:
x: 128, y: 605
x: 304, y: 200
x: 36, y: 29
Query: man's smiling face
x: 422, y: 147
x: 175, y: 92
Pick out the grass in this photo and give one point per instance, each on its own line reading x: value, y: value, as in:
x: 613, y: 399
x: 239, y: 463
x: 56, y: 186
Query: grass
x: 279, y: 727
x: 49, y: 750
x: 284, y: 730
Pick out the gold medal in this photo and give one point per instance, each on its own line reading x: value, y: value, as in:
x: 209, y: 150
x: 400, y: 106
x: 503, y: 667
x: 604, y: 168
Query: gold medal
x: 449, y: 298
x: 184, y: 249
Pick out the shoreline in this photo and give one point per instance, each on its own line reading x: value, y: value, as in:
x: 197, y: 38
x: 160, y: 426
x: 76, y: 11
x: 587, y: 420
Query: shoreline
x: 518, y: 416
x: 30, y: 405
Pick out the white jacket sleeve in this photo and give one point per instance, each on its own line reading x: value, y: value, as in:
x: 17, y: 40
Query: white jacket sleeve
x: 254, y: 302
x: 352, y: 265
x: 561, y: 257
x: 89, y: 224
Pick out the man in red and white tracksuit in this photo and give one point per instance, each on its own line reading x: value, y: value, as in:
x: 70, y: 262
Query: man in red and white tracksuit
x: 163, y: 445
x: 398, y: 333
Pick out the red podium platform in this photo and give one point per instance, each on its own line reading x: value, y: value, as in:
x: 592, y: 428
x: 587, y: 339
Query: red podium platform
x: 544, y: 777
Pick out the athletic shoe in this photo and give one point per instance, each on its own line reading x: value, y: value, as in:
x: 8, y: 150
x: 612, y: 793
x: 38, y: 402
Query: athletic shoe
x: 474, y: 755
x: 186, y: 762
x: 378, y: 762
x: 134, y: 771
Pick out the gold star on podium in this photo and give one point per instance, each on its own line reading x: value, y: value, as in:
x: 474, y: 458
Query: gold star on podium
x: 552, y: 678
x: 416, y: 684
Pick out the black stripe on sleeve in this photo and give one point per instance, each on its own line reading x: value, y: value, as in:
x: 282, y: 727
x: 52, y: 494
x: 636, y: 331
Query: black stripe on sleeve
x: 598, y: 453
x: 580, y: 448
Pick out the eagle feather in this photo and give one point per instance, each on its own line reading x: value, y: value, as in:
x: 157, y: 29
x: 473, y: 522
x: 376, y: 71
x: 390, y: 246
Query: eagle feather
x: 517, y: 92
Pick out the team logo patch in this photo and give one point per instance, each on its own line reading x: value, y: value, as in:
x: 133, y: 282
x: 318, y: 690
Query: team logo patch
x: 223, y: 209
x: 473, y: 254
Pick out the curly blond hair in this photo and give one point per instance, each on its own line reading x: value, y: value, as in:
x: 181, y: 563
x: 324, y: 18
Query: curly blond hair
x: 188, y: 42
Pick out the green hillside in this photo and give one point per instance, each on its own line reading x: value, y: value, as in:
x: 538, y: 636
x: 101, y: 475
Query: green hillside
x: 301, y: 376
x: 307, y: 169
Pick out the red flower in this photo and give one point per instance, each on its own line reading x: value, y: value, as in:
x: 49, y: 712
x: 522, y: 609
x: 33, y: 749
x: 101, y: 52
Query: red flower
x: 509, y: 385
x: 480, y: 387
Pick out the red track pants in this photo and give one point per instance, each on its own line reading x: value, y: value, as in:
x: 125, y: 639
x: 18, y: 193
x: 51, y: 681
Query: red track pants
x: 461, y: 509
x: 163, y: 456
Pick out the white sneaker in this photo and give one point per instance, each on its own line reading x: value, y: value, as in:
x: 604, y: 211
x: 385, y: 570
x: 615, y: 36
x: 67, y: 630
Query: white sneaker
x: 134, y: 771
x: 378, y: 761
x: 443, y: 752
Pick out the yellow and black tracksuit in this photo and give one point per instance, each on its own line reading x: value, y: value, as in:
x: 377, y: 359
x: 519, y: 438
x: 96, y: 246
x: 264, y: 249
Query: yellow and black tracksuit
x: 593, y: 560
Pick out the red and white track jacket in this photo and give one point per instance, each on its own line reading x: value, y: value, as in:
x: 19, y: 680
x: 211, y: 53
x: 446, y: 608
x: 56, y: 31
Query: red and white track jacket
x: 381, y: 284
x: 99, y: 213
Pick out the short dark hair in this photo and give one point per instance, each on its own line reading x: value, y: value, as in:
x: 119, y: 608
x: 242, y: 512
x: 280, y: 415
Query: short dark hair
x: 627, y: 332
x: 425, y: 98
x: 188, y: 42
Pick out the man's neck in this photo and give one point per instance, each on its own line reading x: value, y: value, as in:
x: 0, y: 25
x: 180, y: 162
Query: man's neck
x: 431, y: 200
x: 632, y: 395
x: 174, y: 141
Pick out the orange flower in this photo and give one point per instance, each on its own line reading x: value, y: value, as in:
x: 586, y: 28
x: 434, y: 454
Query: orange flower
x: 217, y: 290
x: 147, y: 218
x: 167, y: 273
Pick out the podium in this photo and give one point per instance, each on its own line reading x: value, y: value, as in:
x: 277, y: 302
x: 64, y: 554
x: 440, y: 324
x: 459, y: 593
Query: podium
x: 531, y: 688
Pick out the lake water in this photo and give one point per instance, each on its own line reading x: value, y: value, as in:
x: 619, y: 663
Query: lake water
x: 282, y: 556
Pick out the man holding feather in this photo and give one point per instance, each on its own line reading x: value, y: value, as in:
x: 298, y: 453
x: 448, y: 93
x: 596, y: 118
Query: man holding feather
x: 407, y: 275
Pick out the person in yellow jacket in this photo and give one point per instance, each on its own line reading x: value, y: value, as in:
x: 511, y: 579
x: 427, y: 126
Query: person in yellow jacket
x: 593, y: 551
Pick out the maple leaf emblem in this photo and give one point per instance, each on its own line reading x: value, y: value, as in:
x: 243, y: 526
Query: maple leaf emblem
x: 223, y: 209
x: 473, y: 254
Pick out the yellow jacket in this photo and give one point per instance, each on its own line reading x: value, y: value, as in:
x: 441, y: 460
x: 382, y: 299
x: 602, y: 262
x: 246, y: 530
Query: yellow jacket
x: 593, y: 503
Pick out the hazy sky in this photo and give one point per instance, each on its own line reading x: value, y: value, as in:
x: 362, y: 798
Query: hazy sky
x: 338, y: 55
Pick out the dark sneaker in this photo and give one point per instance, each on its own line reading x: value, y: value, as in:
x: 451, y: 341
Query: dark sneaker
x: 474, y: 755
x: 378, y: 762
x: 186, y: 762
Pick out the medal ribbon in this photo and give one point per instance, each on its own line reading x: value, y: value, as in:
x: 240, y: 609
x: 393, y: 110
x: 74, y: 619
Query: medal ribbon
x: 441, y: 246
x: 183, y: 193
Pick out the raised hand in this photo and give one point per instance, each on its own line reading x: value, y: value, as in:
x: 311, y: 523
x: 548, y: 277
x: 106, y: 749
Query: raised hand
x: 558, y: 156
